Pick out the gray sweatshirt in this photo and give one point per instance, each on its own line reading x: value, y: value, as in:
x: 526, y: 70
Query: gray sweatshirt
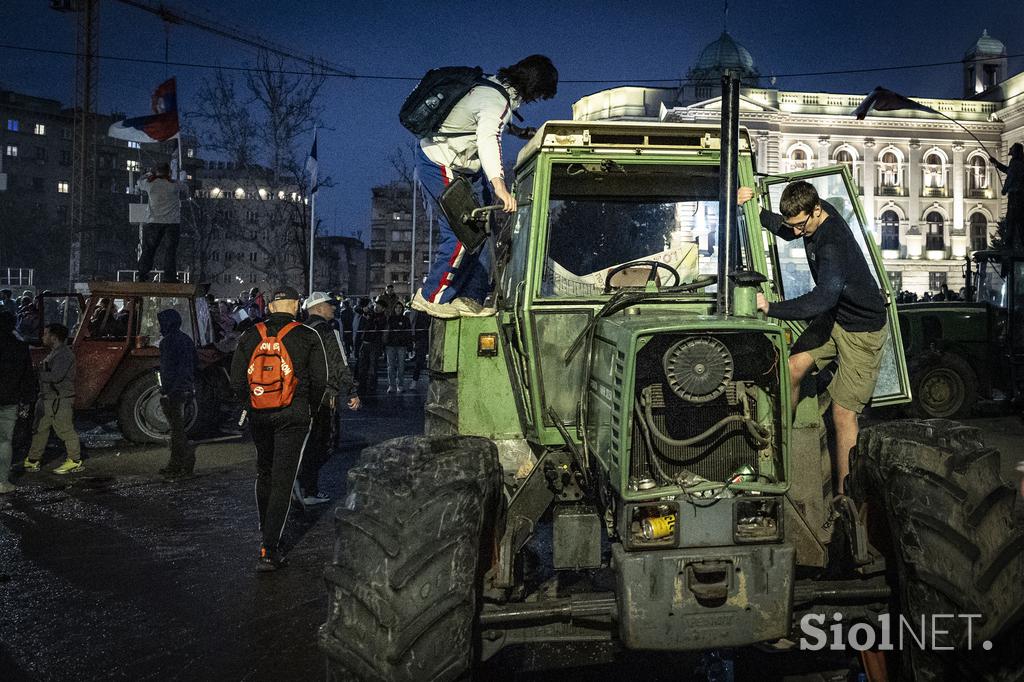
x: 57, y: 373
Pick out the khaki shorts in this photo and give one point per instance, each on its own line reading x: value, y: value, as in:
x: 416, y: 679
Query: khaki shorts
x: 860, y: 357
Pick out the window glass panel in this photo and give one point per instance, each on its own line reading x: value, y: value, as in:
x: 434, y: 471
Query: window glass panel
x: 149, y: 326
x: 600, y: 217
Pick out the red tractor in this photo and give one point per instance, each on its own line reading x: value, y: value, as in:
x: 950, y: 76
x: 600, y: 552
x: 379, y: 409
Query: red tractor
x: 115, y: 335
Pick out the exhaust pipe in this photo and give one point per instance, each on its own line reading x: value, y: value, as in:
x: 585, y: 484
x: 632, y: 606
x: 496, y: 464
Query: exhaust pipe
x: 728, y: 239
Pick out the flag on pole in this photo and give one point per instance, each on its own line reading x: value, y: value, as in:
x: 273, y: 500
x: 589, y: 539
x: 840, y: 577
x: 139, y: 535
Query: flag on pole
x: 159, y: 126
x: 881, y: 99
x: 313, y: 166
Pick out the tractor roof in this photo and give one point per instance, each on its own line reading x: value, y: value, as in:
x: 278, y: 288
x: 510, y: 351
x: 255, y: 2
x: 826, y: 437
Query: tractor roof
x: 121, y: 289
x: 626, y: 135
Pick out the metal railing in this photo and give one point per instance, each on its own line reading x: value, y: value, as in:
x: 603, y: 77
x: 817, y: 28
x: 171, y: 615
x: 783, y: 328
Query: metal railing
x: 17, y: 277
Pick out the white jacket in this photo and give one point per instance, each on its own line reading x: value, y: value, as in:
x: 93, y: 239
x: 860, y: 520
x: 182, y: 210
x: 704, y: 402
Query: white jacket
x: 483, y: 112
x: 164, y: 203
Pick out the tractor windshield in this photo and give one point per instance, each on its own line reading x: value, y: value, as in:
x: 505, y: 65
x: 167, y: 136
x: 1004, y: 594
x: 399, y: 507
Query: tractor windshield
x: 604, y: 214
x: 991, y: 284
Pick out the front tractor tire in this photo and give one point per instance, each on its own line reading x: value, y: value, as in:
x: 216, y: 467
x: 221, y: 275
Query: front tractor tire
x: 939, y: 510
x: 413, y: 539
x: 140, y: 416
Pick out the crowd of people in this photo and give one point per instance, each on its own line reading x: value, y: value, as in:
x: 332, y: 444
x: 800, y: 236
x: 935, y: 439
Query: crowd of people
x: 374, y: 331
x: 943, y: 294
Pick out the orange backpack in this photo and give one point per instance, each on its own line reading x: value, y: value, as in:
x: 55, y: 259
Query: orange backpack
x: 271, y: 373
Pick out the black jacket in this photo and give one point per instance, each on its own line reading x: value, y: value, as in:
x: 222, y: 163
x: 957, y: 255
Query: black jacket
x: 178, y: 359
x: 398, y: 331
x: 309, y: 360
x: 17, y: 383
x: 843, y: 282
x: 339, y: 376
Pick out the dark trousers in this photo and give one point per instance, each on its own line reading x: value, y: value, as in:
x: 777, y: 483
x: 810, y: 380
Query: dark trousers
x: 366, y: 367
x: 280, y: 441
x: 183, y: 458
x: 150, y: 236
x: 318, y: 450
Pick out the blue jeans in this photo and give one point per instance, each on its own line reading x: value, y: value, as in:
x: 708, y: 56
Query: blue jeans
x: 455, y: 272
x: 396, y: 365
x: 8, y: 418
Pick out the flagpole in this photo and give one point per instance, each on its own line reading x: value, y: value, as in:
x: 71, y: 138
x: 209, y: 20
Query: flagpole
x: 412, y: 256
x: 313, y: 180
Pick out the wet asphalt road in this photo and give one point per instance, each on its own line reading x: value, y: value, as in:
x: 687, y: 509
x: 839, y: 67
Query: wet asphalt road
x: 115, y: 574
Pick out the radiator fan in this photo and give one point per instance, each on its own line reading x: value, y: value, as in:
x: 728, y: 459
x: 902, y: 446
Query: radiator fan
x: 698, y: 369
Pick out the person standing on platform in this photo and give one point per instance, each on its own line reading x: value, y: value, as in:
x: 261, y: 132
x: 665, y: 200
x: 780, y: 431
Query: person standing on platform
x: 163, y: 223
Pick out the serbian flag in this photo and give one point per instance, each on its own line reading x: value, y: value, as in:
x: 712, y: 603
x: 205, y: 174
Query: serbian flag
x: 881, y: 99
x: 161, y: 125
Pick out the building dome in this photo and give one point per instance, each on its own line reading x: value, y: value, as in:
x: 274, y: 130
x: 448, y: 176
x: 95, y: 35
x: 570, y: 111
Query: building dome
x: 721, y: 55
x: 986, y: 45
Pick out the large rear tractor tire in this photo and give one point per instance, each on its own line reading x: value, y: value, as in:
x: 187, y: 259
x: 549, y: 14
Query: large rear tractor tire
x: 937, y: 506
x: 943, y: 388
x: 139, y: 413
x: 412, y: 542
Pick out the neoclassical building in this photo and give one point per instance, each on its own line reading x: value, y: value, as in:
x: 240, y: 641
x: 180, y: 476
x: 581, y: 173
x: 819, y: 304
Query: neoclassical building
x: 929, y: 191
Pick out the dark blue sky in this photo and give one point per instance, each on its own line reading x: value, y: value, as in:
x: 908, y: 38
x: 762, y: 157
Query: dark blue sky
x: 595, y: 39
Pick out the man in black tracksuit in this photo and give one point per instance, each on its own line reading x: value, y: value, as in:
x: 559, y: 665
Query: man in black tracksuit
x: 340, y: 383
x: 280, y: 434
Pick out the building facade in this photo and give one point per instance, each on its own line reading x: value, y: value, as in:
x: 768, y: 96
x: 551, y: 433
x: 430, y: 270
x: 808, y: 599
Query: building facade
x: 392, y: 259
x: 35, y: 158
x: 929, y: 191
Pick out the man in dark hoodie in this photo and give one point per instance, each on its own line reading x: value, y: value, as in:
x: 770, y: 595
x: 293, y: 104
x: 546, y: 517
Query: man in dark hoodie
x: 17, y: 391
x: 280, y: 371
x: 178, y: 362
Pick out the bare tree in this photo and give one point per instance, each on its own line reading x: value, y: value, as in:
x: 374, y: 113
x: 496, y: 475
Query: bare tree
x: 262, y: 126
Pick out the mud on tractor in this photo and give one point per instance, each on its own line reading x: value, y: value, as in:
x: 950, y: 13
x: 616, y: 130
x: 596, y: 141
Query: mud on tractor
x: 628, y: 399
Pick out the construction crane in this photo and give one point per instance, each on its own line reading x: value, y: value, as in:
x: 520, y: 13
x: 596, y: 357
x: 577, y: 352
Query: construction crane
x: 83, y: 182
x: 83, y: 155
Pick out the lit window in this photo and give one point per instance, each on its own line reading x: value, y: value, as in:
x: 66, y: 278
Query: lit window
x: 12, y: 150
x: 933, y: 171
x: 935, y: 239
x: 890, y: 169
x: 190, y: 153
x: 239, y: 193
x: 263, y: 193
x: 280, y: 195
x: 215, y: 193
x: 978, y: 174
x: 134, y: 145
x: 12, y: 125
x: 39, y: 129
x: 798, y: 160
x: 979, y: 232
x: 133, y: 165
x: 62, y: 187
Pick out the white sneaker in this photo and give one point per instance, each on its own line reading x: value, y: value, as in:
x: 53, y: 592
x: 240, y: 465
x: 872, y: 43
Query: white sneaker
x: 314, y: 500
x: 467, y: 307
x: 391, y: 389
x: 398, y: 389
x: 443, y: 311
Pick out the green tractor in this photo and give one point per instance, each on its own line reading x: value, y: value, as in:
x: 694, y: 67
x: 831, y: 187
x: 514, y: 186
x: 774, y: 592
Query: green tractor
x: 613, y: 456
x: 960, y: 352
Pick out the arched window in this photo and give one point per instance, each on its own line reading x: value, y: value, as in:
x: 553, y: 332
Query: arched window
x: 977, y: 178
x: 798, y: 159
x: 890, y: 231
x: 890, y: 168
x: 935, y: 240
x: 933, y: 170
x: 844, y: 157
x: 979, y: 232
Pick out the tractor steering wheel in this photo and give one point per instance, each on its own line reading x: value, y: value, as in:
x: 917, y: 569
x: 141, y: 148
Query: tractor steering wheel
x: 654, y: 265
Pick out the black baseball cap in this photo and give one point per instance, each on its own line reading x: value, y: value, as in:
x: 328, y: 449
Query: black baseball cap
x: 285, y: 293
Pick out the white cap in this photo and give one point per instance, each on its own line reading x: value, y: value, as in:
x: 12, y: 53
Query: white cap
x: 316, y: 298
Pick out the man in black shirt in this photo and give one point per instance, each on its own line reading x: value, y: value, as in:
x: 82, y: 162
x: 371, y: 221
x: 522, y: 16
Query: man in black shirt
x: 845, y: 309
